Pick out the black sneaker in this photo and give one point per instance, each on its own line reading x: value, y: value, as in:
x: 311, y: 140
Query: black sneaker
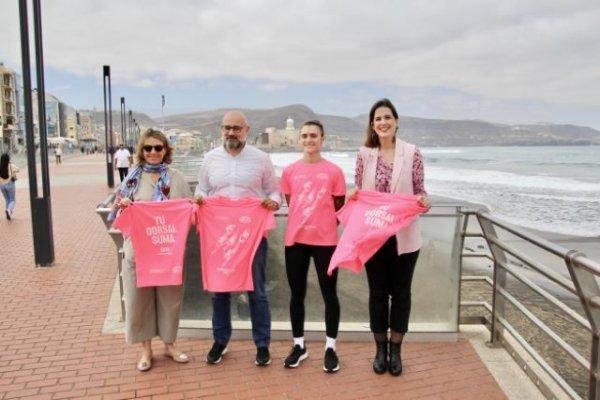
x: 330, y: 361
x: 8, y: 215
x: 296, y: 355
x: 216, y: 353
x: 263, y: 357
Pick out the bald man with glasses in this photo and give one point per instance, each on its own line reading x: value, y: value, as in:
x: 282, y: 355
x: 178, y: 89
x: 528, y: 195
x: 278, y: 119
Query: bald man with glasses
x: 238, y: 170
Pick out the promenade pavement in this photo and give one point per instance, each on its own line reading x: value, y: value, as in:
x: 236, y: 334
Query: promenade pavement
x: 52, y: 345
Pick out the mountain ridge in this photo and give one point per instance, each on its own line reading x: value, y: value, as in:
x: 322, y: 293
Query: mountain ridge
x: 420, y: 131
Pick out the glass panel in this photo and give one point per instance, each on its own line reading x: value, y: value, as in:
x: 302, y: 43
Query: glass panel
x: 435, y: 285
x: 437, y: 276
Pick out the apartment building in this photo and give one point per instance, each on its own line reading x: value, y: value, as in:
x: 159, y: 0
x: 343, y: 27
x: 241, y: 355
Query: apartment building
x: 9, y: 115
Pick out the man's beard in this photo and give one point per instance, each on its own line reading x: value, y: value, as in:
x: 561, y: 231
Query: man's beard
x: 233, y: 143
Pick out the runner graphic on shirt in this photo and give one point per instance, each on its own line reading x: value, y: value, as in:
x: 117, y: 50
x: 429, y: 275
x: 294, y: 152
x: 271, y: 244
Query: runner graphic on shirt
x: 229, y: 243
x: 230, y: 232
x: 309, y: 198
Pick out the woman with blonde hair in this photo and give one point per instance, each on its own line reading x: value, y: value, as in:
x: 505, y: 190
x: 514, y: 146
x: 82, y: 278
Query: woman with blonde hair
x: 155, y: 310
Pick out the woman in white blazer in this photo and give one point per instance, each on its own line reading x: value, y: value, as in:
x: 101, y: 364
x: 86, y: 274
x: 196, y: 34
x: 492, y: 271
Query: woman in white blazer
x: 387, y: 164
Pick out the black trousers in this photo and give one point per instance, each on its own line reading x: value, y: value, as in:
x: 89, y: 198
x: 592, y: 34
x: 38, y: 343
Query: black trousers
x: 390, y: 277
x: 297, y: 261
x: 123, y: 173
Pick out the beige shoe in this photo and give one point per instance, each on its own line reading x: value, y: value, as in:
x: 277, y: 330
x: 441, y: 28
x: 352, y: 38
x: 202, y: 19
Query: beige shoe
x: 179, y: 357
x: 144, y: 364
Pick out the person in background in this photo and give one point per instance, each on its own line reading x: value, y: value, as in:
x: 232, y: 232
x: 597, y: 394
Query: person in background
x: 387, y: 164
x: 314, y: 189
x: 122, y: 160
x: 237, y: 170
x: 8, y: 176
x: 151, y: 311
x: 58, y: 154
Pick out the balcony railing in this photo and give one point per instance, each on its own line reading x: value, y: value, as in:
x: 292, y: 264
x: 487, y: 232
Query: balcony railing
x: 540, y: 301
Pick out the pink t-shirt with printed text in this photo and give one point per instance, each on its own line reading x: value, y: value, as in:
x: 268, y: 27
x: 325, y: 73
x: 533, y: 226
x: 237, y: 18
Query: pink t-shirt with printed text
x: 158, y: 231
x: 368, y: 222
x: 311, y: 216
x: 230, y: 231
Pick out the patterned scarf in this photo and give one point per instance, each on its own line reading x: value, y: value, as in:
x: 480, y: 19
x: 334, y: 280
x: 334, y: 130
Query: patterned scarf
x: 130, y: 185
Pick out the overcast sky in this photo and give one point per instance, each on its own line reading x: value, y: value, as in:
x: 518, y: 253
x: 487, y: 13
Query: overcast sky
x: 509, y: 61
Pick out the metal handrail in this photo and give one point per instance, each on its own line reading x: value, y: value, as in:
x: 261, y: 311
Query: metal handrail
x: 583, y: 283
x: 584, y: 323
x: 539, y: 359
x: 555, y: 337
x: 524, y: 234
x: 553, y: 276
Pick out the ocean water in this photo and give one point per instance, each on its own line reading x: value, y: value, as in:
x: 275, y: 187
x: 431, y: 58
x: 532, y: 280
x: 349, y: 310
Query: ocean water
x: 549, y: 188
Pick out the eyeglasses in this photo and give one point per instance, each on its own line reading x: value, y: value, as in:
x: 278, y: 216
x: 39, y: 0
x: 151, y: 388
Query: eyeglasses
x: 157, y: 148
x: 234, y: 128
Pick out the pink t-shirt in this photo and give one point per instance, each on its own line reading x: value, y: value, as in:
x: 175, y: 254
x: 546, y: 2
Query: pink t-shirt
x: 159, y: 231
x: 311, y: 186
x: 230, y: 231
x: 368, y: 222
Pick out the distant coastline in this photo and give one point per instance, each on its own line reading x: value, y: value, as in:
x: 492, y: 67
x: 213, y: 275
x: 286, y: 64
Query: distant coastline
x: 420, y: 131
x: 350, y: 149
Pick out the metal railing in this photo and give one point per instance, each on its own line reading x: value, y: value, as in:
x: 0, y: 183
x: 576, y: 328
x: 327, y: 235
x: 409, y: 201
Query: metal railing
x: 517, y: 277
x: 103, y: 209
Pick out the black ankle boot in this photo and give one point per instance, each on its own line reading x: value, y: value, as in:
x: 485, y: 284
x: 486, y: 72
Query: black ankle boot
x: 395, y: 359
x: 380, y: 362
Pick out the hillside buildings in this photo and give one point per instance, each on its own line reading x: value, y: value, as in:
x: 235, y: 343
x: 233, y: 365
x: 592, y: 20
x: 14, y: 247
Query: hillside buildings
x: 273, y: 139
x: 279, y: 139
x: 87, y: 127
x: 182, y: 140
x: 65, y: 125
x: 9, y: 110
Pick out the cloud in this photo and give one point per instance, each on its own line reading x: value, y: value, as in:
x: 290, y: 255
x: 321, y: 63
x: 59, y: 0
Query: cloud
x: 272, y: 87
x: 538, y: 50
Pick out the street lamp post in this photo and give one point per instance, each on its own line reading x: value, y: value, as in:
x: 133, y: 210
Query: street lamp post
x: 41, y: 209
x: 136, y: 131
x: 131, y: 119
x: 123, y: 122
x: 108, y: 126
x: 2, y: 133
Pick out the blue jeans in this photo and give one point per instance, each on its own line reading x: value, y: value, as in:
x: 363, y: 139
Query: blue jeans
x: 8, y: 191
x: 260, y: 313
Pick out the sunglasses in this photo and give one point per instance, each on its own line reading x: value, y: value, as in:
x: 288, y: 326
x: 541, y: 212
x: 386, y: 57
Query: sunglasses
x: 157, y: 148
